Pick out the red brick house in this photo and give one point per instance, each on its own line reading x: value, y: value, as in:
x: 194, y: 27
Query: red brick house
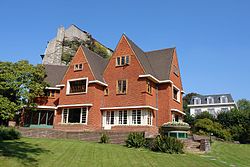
x: 132, y: 91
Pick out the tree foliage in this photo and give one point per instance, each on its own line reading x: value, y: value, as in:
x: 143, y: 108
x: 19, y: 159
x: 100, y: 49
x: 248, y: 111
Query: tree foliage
x: 20, y: 83
x: 186, y: 101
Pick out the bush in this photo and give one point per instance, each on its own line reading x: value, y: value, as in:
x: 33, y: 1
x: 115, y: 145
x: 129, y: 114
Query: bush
x: 104, y: 138
x: 136, y: 140
x: 166, y: 144
x: 206, y: 126
x: 9, y: 133
x: 205, y: 114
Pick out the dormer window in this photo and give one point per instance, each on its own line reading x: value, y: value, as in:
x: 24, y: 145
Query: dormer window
x: 223, y: 99
x: 78, y: 67
x: 197, y: 100
x: 210, y: 100
x: 122, y: 60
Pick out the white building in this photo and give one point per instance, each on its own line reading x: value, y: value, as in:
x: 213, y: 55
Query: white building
x: 213, y: 104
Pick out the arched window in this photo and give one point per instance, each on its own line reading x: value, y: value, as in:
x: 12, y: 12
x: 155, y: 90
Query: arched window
x: 197, y: 100
x: 210, y: 100
x: 223, y: 99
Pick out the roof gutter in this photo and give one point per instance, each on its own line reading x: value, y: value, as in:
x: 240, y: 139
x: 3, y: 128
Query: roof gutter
x: 98, y: 82
x: 52, y: 88
x: 152, y: 78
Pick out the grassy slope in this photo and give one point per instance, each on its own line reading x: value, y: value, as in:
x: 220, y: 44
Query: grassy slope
x: 48, y: 152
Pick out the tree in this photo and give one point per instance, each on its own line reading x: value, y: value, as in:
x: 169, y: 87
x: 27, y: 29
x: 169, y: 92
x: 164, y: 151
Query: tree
x: 186, y: 101
x: 20, y: 83
x: 243, y: 105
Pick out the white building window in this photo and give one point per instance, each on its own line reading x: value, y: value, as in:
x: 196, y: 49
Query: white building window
x: 76, y: 86
x: 75, y: 115
x: 197, y: 111
x: 224, y: 109
x: 211, y: 111
x: 223, y: 99
x: 197, y: 100
x: 210, y: 100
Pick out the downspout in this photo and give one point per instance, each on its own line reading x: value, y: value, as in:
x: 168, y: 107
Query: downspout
x: 156, y: 115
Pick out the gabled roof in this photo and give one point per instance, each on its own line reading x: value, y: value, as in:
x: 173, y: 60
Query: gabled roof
x: 216, y: 98
x: 157, y: 63
x: 161, y: 61
x: 96, y: 63
x: 54, y: 74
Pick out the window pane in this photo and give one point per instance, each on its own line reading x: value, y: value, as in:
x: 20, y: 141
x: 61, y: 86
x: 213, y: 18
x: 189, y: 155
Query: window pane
x: 65, y: 113
x: 120, y: 117
x: 112, y: 116
x: 134, y: 116
x: 74, y: 115
x: 123, y: 60
x: 118, y: 61
x: 125, y: 117
x: 138, y: 116
x: 127, y: 59
x: 107, y: 117
x: 84, y: 115
x: 124, y: 86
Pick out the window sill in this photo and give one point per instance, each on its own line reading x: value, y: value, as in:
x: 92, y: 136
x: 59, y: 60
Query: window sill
x: 177, y: 101
x: 121, y: 93
x: 73, y: 123
x: 148, y: 93
x: 80, y: 93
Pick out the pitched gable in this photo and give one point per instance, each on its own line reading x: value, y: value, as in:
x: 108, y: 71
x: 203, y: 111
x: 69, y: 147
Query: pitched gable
x: 161, y: 61
x: 96, y: 62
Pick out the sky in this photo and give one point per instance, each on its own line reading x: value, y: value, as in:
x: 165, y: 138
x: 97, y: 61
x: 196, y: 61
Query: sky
x: 212, y: 37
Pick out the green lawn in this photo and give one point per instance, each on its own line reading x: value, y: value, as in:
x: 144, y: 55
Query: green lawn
x: 70, y: 153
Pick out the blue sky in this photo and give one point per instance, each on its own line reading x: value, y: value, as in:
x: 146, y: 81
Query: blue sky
x: 212, y: 37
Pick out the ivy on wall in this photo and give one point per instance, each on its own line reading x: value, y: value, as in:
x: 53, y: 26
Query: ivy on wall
x: 70, y: 47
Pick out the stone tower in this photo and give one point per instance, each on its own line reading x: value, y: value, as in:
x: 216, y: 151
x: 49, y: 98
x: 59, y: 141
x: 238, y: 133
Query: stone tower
x: 55, y: 47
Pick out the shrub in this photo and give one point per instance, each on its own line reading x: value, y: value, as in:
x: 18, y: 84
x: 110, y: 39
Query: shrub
x: 136, y: 140
x: 9, y: 133
x: 166, y: 144
x: 206, y: 126
x: 104, y: 138
x: 205, y: 114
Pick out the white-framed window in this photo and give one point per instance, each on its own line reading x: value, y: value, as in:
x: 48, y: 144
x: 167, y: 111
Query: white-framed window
x: 149, y: 119
x: 121, y: 86
x: 122, y: 60
x: 210, y: 100
x: 224, y: 109
x: 197, y: 100
x: 223, y: 99
x: 75, y: 115
x: 78, y: 67
x: 110, y: 117
x: 211, y: 111
x: 136, y: 117
x: 77, y: 86
x: 197, y: 111
x: 176, y: 93
x: 123, y: 117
